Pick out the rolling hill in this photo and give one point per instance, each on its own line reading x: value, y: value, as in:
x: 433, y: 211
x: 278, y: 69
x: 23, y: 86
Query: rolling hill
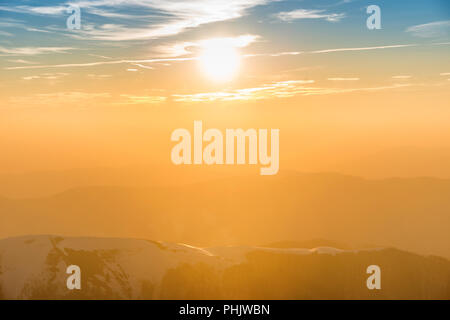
x: 34, y: 267
x: 411, y: 214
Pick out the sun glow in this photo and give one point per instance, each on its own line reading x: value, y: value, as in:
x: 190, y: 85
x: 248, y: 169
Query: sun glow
x: 219, y: 59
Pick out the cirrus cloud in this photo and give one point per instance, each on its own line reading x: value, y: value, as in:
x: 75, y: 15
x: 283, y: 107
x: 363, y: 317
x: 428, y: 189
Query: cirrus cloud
x: 435, y: 29
x: 169, y: 17
x: 310, y: 14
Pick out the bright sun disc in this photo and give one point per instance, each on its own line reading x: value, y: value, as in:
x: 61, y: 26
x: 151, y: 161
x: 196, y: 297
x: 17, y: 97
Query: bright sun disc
x: 219, y: 61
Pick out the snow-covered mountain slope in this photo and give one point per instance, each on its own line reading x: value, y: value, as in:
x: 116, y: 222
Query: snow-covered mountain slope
x: 34, y: 267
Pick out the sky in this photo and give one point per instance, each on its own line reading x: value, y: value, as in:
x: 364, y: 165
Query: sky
x: 111, y: 92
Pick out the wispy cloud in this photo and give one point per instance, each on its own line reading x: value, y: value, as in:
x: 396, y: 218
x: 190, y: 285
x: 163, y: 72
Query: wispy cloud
x: 277, y: 54
x: 5, y: 34
x: 84, y: 99
x: 188, y: 47
x: 310, y: 14
x: 46, y: 76
x: 9, y: 23
x: 182, y: 59
x: 275, y: 89
x: 134, y: 99
x: 100, y: 63
x: 38, y: 30
x: 39, y: 10
x: 435, y: 29
x: 98, y: 76
x: 343, y: 79
x: 401, y: 77
x: 364, y: 48
x: 99, y: 56
x: 283, y: 89
x: 30, y: 51
x: 169, y: 17
x: 140, y: 65
x: 21, y: 61
x: 60, y: 98
x: 290, y: 53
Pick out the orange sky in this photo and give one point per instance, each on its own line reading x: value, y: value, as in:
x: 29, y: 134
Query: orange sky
x: 111, y: 93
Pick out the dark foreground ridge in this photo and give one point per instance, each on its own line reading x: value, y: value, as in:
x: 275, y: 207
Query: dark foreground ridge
x: 35, y: 267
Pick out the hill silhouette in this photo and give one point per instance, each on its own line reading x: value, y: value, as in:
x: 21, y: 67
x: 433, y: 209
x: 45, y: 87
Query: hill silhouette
x: 411, y: 213
x: 34, y: 267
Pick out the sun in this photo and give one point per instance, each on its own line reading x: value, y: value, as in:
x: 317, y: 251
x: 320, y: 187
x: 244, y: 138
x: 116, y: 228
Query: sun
x: 219, y: 59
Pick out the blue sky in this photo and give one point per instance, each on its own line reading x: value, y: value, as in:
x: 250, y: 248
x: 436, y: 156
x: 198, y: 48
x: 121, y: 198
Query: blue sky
x: 153, y: 22
x: 137, y: 69
x: 163, y: 37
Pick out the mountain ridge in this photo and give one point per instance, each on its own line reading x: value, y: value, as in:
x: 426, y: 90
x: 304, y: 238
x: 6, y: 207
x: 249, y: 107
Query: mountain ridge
x: 394, y: 212
x: 34, y: 267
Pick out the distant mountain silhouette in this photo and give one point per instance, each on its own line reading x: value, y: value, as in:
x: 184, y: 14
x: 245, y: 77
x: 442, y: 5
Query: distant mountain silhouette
x: 404, y: 162
x: 46, y: 183
x: 399, y: 162
x: 34, y: 267
x: 307, y: 244
x: 411, y: 214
